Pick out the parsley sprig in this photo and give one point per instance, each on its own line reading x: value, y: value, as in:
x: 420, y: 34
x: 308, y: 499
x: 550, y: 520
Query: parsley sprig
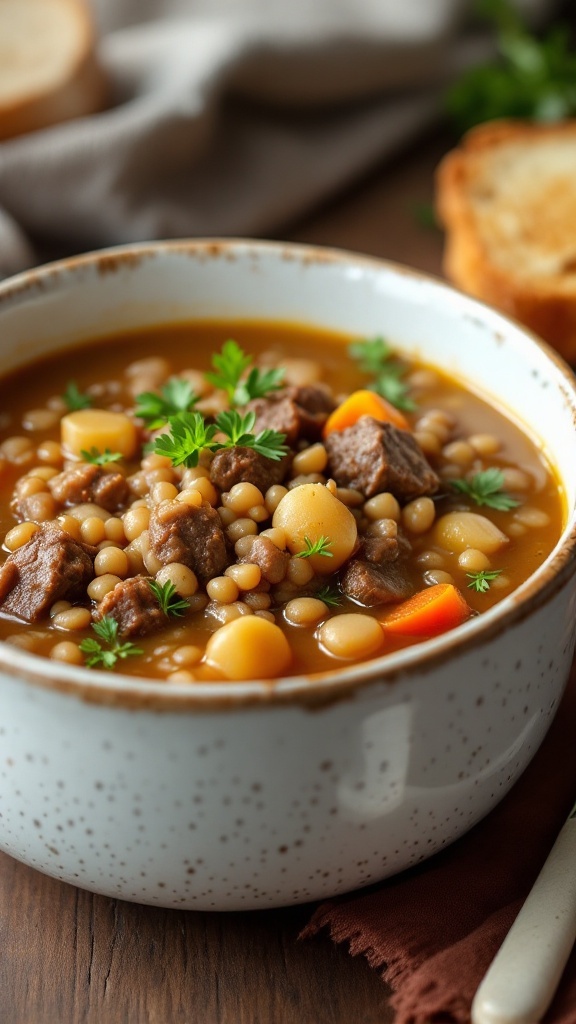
x: 168, y: 599
x: 98, y: 458
x: 370, y: 354
x: 530, y: 78
x: 99, y: 656
x: 315, y: 547
x: 375, y: 357
x: 190, y: 435
x: 258, y: 384
x: 480, y: 581
x: 487, y: 488
x: 76, y: 399
x: 239, y: 429
x: 175, y: 396
x: 229, y: 369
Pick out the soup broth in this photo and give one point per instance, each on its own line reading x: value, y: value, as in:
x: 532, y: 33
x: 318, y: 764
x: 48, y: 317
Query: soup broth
x: 332, y: 525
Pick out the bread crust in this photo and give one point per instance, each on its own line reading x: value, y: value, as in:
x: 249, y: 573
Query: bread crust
x: 544, y: 302
x: 79, y: 88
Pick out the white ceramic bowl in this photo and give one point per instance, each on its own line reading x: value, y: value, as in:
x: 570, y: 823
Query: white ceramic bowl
x: 238, y: 795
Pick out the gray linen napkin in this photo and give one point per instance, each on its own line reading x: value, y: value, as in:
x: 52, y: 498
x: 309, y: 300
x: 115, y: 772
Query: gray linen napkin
x: 230, y: 117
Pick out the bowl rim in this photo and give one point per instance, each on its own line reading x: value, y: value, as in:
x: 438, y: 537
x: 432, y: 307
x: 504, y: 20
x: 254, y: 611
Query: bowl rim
x: 341, y: 683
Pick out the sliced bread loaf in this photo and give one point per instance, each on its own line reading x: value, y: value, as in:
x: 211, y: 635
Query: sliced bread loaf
x: 48, y: 67
x: 507, y: 199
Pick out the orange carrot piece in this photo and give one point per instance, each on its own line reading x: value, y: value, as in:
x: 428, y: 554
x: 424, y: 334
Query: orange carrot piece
x: 364, y: 403
x: 430, y: 612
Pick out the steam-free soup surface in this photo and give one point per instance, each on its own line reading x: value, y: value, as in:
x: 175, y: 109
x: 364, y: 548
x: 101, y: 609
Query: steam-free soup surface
x: 236, y: 500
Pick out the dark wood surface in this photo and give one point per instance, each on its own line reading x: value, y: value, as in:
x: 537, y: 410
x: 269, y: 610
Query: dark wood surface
x: 69, y: 957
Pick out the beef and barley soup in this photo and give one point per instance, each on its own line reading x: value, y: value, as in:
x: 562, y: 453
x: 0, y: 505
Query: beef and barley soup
x: 224, y: 500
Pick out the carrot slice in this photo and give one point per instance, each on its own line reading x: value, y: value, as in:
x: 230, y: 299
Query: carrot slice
x: 428, y: 613
x: 364, y: 403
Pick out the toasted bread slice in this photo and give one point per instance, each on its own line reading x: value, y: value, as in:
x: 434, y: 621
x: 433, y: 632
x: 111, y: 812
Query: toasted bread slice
x: 507, y: 199
x: 48, y: 67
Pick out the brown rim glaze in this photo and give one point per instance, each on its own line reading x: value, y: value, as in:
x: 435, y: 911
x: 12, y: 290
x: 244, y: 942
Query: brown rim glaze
x: 320, y: 690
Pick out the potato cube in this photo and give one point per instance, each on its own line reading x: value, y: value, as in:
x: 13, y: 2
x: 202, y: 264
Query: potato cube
x: 98, y: 428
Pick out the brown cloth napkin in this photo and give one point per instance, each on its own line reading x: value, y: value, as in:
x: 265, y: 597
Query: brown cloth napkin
x: 433, y: 930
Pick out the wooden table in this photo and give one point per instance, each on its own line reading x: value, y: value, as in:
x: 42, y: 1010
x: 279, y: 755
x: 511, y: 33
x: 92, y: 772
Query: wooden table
x: 69, y: 957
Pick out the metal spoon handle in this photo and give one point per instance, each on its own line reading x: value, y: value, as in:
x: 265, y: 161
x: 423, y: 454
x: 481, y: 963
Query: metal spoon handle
x: 524, y: 975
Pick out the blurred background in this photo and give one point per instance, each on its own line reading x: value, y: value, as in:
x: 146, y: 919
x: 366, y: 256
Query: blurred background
x: 128, y: 120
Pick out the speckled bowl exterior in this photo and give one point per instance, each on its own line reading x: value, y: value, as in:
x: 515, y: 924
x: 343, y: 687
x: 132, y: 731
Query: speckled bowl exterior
x: 230, y: 796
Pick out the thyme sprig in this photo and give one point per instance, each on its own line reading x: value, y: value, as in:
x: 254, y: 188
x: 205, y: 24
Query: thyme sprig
x: 315, y: 547
x: 486, y: 488
x: 330, y: 595
x: 168, y: 598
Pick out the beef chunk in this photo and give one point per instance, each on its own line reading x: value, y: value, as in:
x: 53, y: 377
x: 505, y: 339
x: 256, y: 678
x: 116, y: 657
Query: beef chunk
x: 272, y: 561
x: 314, y: 403
x: 277, y: 412
x: 298, y: 412
x: 51, y: 567
x: 236, y: 465
x: 369, y: 584
x: 372, y: 457
x: 110, y: 490
x: 88, y: 483
x: 193, y: 536
x: 379, y: 550
x: 33, y: 508
x: 134, y: 606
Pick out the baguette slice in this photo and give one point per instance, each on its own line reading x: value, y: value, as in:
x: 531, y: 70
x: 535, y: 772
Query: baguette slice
x: 506, y: 197
x: 49, y: 71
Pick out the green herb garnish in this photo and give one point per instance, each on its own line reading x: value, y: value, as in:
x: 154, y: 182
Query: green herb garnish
x: 190, y: 435
x: 370, y: 354
x: 486, y: 488
x: 168, y: 599
x: 531, y: 78
x: 315, y: 547
x: 480, y: 581
x: 330, y: 595
x: 391, y: 386
x: 375, y: 357
x: 76, y: 399
x: 98, y: 458
x: 175, y: 396
x: 107, y: 630
x: 230, y: 365
x: 258, y: 384
x: 239, y: 432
